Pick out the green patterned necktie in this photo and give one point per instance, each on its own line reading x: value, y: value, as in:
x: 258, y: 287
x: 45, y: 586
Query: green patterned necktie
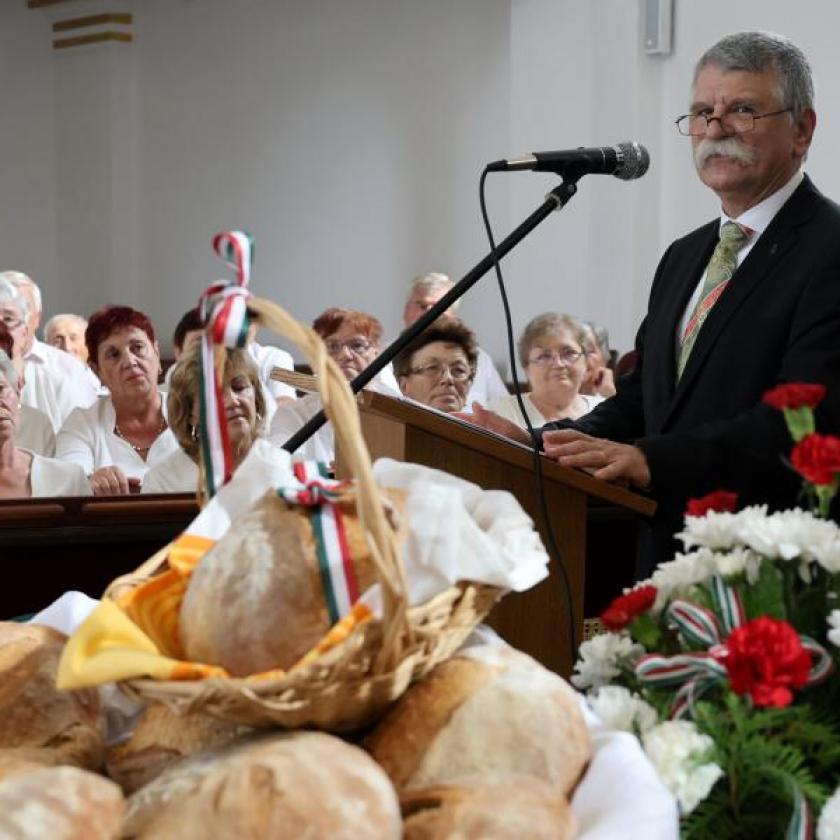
x: 718, y: 273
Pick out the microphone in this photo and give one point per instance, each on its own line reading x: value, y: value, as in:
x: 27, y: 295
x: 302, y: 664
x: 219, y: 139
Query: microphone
x: 627, y: 161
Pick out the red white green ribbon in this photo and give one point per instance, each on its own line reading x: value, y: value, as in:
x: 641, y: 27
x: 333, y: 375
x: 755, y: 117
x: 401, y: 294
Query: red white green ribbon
x: 224, y: 310
x: 728, y: 604
x: 335, y: 563
x: 695, y: 624
x: 801, y: 825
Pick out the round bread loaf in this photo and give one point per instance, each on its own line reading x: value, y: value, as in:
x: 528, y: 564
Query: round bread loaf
x: 484, y: 717
x: 300, y: 784
x: 257, y: 600
x: 63, y: 727
x: 60, y: 803
x: 163, y: 737
x: 523, y: 807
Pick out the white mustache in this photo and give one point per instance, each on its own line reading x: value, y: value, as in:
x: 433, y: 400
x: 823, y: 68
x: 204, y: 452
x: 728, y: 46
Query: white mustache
x: 729, y: 147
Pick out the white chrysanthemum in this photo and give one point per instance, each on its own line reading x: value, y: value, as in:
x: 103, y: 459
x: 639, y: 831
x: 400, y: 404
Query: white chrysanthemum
x: 602, y: 657
x: 619, y: 708
x: 834, y: 632
x: 828, y: 828
x: 789, y: 534
x: 680, y: 752
x: 677, y: 576
x: 717, y: 529
x: 738, y: 561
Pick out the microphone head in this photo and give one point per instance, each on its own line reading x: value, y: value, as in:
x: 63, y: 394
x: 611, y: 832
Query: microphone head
x: 633, y: 160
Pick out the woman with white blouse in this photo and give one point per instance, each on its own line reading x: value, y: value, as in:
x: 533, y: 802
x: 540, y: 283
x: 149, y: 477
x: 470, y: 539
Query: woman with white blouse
x: 245, y: 409
x: 551, y: 351
x: 122, y: 435
x: 23, y: 473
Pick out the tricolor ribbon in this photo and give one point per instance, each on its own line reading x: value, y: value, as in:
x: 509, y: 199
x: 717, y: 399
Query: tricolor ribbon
x: 335, y: 563
x: 223, y: 309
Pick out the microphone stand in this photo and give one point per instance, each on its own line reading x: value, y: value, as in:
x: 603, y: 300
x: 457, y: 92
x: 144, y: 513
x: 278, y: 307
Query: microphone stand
x: 555, y: 200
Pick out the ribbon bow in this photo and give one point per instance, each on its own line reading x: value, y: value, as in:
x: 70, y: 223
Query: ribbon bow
x: 224, y: 311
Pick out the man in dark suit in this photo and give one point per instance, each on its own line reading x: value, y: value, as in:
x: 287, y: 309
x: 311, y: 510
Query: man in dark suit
x: 743, y: 303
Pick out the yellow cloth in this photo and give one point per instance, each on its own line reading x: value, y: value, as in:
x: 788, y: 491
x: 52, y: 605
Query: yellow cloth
x: 138, y: 635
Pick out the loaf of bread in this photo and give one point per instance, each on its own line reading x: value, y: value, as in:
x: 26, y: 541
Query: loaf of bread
x: 301, y: 784
x: 258, y: 600
x: 484, y: 717
x: 163, y: 737
x: 62, y: 727
x: 60, y: 803
x: 523, y: 807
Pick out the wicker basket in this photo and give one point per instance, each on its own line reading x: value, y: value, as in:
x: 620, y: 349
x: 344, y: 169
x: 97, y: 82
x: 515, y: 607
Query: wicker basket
x: 348, y: 686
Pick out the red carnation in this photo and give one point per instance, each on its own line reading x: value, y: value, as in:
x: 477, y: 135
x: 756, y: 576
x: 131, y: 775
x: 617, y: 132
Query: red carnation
x: 626, y: 607
x: 765, y: 659
x: 817, y: 458
x: 794, y: 395
x: 720, y: 501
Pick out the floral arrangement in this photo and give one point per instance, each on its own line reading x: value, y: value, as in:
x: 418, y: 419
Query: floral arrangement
x: 724, y: 663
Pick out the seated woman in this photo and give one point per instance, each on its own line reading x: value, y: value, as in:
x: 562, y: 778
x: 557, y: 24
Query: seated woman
x: 122, y: 435
x: 352, y: 340
x: 552, y: 355
x: 599, y: 380
x: 437, y: 368
x: 35, y: 430
x: 23, y: 473
x: 245, y: 409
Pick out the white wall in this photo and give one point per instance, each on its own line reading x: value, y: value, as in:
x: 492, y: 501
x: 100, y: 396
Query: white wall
x: 348, y: 136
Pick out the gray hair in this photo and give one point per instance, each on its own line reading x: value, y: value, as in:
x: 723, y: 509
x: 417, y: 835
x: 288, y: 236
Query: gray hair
x: 549, y: 323
x: 7, y: 369
x: 10, y: 293
x: 21, y: 281
x: 77, y: 319
x: 756, y: 52
x: 431, y: 282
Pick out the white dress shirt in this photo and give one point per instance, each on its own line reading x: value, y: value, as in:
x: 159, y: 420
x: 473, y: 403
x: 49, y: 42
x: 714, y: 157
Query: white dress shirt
x: 268, y: 358
x: 56, y: 382
x: 756, y: 219
x: 35, y: 432
x: 87, y: 438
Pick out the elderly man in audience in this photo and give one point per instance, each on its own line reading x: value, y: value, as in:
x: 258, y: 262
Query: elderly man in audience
x: 245, y: 407
x: 80, y: 388
x: 34, y: 431
x: 599, y: 380
x: 24, y: 473
x: 42, y: 388
x: 67, y: 332
x: 437, y: 368
x: 352, y: 339
x: 117, y: 440
x: 551, y: 350
x: 425, y: 291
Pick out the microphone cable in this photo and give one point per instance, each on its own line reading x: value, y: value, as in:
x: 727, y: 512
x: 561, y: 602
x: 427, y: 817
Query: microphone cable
x: 553, y: 548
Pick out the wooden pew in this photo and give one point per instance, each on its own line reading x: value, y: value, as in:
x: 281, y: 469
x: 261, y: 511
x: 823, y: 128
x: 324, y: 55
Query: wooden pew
x: 50, y: 546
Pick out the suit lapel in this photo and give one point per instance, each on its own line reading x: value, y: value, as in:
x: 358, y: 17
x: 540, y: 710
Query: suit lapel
x: 779, y: 237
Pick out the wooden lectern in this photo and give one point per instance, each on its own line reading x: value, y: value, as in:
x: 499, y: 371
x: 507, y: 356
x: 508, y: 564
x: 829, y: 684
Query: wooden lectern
x: 535, y: 621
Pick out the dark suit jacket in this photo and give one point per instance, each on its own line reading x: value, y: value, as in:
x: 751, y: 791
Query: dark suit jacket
x: 778, y: 320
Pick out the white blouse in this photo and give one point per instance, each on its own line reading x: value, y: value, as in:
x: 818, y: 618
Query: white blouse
x: 87, y: 438
x: 51, y: 477
x: 508, y: 408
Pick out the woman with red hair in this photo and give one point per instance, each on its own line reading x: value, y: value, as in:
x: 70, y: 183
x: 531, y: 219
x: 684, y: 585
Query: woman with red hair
x: 118, y: 438
x: 352, y: 339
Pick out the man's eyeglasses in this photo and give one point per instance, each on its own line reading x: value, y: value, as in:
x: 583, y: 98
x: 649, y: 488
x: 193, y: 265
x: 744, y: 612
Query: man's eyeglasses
x: 458, y: 371
x: 357, y: 346
x: 739, y: 120
x: 564, y: 357
x: 11, y: 321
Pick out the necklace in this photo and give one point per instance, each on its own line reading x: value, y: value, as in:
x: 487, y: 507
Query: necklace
x: 140, y: 449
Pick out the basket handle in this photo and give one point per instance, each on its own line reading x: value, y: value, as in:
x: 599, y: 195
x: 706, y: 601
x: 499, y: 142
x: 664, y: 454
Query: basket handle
x: 341, y: 409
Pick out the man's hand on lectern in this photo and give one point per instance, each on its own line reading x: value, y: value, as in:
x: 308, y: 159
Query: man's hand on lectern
x: 604, y: 459
x: 493, y: 423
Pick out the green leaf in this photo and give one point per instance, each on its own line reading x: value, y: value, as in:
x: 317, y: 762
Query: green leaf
x: 800, y: 422
x: 645, y: 630
x: 767, y: 595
